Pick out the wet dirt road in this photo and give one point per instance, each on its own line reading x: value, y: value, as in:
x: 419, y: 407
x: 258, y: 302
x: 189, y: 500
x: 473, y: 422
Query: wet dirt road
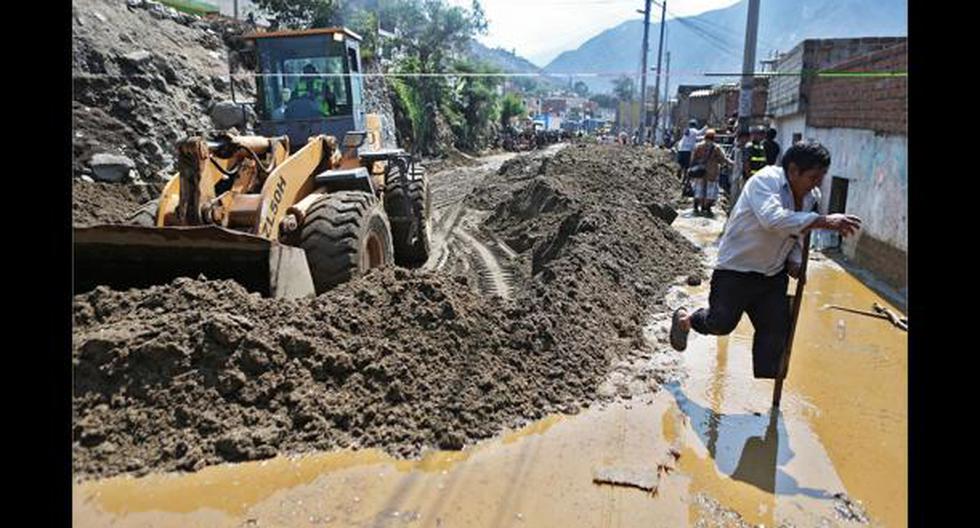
x: 842, y: 429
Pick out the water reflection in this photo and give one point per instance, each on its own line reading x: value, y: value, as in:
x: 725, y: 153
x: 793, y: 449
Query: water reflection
x: 750, y: 448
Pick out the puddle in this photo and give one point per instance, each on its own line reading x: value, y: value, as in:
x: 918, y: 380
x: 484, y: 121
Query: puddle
x: 843, y: 425
x: 842, y: 429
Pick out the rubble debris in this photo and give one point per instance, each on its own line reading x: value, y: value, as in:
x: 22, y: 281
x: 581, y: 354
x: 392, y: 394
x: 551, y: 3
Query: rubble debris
x: 713, y: 515
x: 111, y: 168
x: 850, y: 509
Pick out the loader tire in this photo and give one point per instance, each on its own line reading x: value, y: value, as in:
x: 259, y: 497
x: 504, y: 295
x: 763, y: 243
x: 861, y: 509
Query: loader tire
x: 421, y: 195
x: 410, y: 237
x: 146, y: 215
x: 345, y: 234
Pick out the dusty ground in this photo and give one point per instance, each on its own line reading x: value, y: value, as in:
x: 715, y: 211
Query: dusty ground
x: 109, y: 203
x: 198, y: 372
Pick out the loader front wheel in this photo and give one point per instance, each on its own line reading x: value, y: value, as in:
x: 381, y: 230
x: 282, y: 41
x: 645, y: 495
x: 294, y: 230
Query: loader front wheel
x: 345, y: 234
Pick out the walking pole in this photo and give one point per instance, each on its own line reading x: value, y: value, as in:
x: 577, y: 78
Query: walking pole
x: 777, y: 391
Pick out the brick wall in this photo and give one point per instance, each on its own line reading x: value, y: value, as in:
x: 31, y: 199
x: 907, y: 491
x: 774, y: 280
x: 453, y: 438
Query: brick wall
x: 879, y: 104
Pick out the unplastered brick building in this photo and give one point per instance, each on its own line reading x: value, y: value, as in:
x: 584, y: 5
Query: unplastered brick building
x: 851, y: 95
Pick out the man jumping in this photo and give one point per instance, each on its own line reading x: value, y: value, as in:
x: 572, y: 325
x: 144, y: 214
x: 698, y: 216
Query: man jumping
x: 760, y: 249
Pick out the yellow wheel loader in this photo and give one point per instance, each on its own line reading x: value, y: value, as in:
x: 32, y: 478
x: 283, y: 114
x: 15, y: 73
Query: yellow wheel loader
x: 281, y: 218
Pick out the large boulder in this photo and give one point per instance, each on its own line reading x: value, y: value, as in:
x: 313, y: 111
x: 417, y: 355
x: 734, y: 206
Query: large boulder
x: 112, y: 168
x: 228, y: 114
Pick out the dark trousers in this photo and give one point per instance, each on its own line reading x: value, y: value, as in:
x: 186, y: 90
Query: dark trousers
x: 684, y: 158
x: 766, y: 302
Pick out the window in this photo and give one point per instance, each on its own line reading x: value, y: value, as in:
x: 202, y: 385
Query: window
x: 311, y: 67
x: 838, y: 195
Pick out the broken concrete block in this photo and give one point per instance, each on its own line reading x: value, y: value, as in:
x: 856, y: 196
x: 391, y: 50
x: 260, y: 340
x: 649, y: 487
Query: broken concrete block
x: 111, y: 167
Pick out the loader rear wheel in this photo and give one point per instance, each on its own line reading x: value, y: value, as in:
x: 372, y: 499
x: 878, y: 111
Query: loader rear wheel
x: 146, y: 215
x: 409, y: 234
x: 345, y: 234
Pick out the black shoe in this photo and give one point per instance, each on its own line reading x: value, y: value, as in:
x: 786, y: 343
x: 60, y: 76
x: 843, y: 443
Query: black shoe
x: 678, y: 337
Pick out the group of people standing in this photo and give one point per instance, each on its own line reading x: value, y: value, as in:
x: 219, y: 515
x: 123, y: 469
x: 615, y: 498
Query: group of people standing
x: 702, y: 161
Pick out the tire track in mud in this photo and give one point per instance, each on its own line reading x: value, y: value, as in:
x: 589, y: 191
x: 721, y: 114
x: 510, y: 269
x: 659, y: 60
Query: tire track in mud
x: 458, y: 243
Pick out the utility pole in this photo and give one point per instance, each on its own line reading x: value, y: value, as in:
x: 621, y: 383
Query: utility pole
x: 643, y: 77
x: 748, y: 66
x: 660, y: 54
x: 236, y: 9
x: 666, y: 93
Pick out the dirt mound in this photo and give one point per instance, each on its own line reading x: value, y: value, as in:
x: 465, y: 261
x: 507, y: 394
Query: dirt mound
x: 108, y: 203
x: 199, y: 372
x: 592, y: 209
x: 143, y: 76
x: 194, y: 373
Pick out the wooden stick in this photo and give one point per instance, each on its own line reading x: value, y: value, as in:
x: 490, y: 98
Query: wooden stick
x: 777, y: 391
x: 892, y: 316
x: 855, y: 311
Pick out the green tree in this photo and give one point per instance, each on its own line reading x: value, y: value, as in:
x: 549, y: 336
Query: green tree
x: 300, y: 14
x: 581, y: 89
x: 473, y: 104
x: 604, y: 100
x: 432, y: 37
x: 511, y: 106
x: 623, y: 88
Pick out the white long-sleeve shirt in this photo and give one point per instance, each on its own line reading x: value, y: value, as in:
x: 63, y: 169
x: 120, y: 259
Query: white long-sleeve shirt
x: 690, y: 138
x: 765, y: 228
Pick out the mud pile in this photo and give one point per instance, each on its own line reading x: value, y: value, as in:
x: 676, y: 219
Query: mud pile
x: 109, y: 203
x: 591, y: 217
x: 197, y: 372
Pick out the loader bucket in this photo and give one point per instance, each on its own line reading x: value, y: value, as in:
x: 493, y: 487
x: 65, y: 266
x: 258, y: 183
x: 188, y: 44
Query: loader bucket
x: 125, y: 256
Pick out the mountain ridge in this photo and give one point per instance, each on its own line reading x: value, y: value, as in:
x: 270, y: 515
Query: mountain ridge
x: 712, y: 41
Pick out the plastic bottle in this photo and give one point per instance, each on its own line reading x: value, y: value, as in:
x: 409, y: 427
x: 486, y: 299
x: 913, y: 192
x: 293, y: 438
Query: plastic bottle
x: 841, y: 329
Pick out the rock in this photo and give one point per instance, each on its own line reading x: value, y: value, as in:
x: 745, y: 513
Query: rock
x: 134, y: 4
x: 663, y: 212
x: 693, y: 280
x: 227, y: 114
x: 87, y: 179
x: 137, y: 57
x: 219, y: 83
x: 112, y: 168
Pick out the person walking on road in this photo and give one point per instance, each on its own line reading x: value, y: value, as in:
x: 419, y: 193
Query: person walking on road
x: 756, y: 153
x: 759, y: 250
x: 739, y: 163
x: 771, y: 147
x: 711, y: 157
x: 686, y: 144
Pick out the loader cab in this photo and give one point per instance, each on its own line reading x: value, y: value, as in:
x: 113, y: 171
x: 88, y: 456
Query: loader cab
x: 304, y: 85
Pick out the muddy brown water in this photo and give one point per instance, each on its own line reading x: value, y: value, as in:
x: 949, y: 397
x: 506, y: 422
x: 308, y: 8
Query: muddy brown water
x: 842, y: 429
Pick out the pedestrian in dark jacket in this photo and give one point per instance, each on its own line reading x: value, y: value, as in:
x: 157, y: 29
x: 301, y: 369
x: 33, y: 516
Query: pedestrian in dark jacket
x: 772, y: 147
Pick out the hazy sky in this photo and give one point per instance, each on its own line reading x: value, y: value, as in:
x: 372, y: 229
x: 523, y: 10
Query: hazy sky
x: 541, y: 29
